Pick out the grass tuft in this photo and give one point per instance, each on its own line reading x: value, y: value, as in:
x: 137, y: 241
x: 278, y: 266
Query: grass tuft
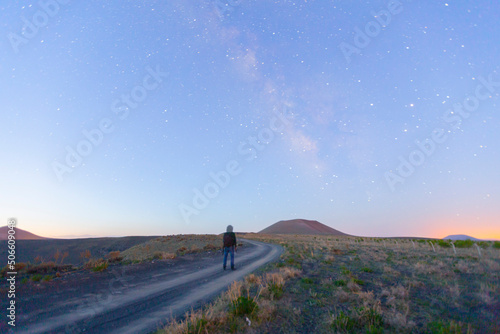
x: 244, y: 306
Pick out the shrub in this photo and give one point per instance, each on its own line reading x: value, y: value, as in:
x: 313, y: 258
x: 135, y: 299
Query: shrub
x: 182, y: 250
x: 42, y: 268
x: 197, y: 326
x: 367, y: 270
x: 346, y: 271
x: 96, y: 265
x: 340, y: 282
x: 20, y: 266
x: 164, y: 256
x: 307, y: 280
x: 335, y: 251
x: 210, y: 247
x: 464, y: 243
x: 100, y: 265
x: 47, y: 278
x: 276, y: 290
x: 441, y: 327
x: 367, y: 318
x: 358, y: 281
x: 444, y: 243
x: 243, y: 306
x: 252, y: 279
x: 483, y: 244
x: 496, y: 244
x: 342, y: 322
x: 289, y: 272
x: 293, y: 262
x: 36, y: 277
x: 114, y: 257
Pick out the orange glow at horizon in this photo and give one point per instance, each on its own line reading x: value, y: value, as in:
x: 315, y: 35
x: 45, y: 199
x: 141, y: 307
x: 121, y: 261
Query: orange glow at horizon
x: 485, y: 227
x: 481, y: 229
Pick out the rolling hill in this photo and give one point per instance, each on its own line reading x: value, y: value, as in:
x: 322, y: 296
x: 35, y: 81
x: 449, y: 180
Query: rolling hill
x: 301, y: 226
x: 20, y: 234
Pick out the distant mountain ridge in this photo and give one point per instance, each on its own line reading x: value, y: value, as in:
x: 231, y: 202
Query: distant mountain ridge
x: 461, y: 237
x: 301, y: 226
x: 20, y: 234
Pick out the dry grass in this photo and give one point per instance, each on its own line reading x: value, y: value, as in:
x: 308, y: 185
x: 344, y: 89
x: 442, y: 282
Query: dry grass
x: 325, y: 284
x: 96, y: 265
x: 168, y: 247
x: 486, y: 293
x: 377, y: 285
x: 253, y: 279
x: 228, y: 313
x: 114, y: 257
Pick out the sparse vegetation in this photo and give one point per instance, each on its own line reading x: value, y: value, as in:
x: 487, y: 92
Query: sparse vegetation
x: 367, y: 285
x: 245, y: 305
x: 362, y: 319
x: 483, y: 244
x: 463, y: 243
x: 42, y: 268
x: 370, y: 286
x: 169, y: 247
x: 444, y: 243
x: 42, y: 271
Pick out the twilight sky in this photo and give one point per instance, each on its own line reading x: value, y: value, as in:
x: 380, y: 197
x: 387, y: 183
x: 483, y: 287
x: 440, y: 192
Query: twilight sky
x: 377, y: 118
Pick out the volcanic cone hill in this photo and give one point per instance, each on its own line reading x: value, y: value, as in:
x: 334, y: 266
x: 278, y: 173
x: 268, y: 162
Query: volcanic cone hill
x: 301, y: 226
x: 20, y: 234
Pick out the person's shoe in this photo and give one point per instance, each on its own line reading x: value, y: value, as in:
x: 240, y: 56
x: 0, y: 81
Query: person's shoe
x: 224, y: 268
x: 233, y: 268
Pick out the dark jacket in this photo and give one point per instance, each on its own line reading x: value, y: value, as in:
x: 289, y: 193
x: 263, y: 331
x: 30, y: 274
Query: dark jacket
x: 229, y: 239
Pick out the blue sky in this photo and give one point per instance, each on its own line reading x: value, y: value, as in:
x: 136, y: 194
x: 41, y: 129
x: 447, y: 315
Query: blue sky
x: 117, y: 115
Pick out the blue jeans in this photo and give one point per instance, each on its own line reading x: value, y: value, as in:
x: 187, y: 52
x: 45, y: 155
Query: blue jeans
x: 231, y: 251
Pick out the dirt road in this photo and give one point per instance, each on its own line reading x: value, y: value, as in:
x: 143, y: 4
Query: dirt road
x: 132, y: 299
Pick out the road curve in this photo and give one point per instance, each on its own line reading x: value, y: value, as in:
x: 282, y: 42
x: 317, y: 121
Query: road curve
x: 142, y: 304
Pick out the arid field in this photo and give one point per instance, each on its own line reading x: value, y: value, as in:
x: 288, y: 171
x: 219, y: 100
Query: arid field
x: 321, y: 284
x: 48, y: 259
x: 325, y: 284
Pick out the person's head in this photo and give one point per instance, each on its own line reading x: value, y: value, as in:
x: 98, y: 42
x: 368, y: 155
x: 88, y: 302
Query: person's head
x: 229, y: 228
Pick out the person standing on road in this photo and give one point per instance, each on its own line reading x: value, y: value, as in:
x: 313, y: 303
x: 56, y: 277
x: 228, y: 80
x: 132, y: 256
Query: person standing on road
x: 229, y: 245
